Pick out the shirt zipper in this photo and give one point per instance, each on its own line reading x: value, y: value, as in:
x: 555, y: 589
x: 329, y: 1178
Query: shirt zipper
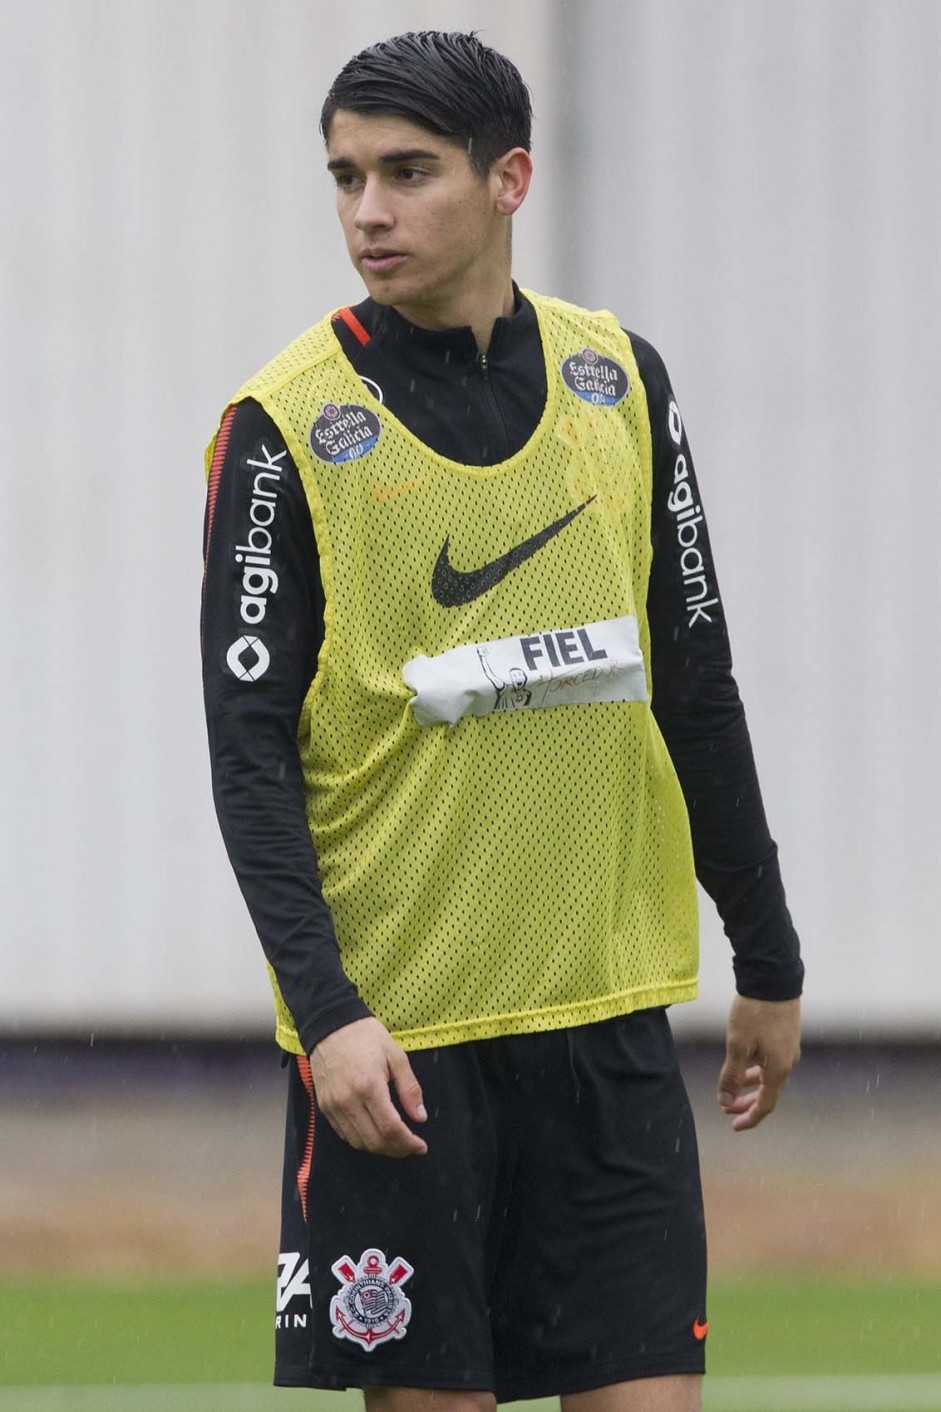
x: 495, y: 413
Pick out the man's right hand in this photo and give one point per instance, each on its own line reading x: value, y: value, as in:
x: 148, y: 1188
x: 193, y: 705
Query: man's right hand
x: 352, y: 1070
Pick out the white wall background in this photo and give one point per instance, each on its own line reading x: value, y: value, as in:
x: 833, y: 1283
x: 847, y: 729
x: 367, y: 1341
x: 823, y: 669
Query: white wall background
x: 754, y: 187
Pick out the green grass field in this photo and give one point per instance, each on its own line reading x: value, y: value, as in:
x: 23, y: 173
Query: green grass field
x: 790, y: 1345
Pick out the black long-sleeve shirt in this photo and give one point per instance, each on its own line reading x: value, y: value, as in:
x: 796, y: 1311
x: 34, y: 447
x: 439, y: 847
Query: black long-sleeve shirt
x: 478, y: 411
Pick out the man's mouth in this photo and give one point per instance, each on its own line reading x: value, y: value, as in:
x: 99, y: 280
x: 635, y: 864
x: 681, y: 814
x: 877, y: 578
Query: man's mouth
x: 379, y: 261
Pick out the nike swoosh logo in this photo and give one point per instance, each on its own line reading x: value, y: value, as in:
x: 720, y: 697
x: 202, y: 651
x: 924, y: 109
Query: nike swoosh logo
x: 452, y: 587
x: 700, y: 1329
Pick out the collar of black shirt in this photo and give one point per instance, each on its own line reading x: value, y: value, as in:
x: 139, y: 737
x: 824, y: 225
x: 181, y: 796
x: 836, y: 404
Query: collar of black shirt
x: 387, y: 327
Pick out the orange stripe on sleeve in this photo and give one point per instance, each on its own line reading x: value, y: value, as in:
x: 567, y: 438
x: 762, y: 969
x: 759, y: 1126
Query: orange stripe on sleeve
x: 215, y: 470
x: 215, y: 473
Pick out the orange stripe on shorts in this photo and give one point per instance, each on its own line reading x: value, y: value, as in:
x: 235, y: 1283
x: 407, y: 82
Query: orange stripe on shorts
x: 303, y: 1171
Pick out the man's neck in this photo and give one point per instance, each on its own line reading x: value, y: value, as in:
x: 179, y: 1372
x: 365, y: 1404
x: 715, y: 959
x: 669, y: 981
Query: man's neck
x: 477, y: 310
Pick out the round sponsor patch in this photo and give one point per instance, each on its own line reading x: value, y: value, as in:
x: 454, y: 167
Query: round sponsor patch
x: 344, y: 433
x: 595, y: 378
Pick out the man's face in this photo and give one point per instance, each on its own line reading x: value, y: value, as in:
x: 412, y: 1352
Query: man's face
x: 420, y: 224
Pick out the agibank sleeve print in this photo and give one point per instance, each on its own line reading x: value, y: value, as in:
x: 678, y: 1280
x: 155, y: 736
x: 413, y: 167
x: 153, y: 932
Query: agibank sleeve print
x: 262, y: 627
x: 697, y: 706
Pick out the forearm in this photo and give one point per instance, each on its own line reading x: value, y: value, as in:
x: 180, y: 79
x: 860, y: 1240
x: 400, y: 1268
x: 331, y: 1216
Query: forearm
x: 259, y: 796
x: 699, y: 711
x: 735, y: 855
x: 262, y: 618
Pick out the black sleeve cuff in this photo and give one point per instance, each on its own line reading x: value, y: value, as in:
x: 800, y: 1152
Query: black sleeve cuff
x: 320, y: 1025
x: 776, y: 984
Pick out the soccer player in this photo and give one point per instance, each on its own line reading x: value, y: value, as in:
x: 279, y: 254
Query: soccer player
x: 476, y: 918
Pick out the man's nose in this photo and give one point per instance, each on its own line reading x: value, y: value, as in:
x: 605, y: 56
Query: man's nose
x: 373, y: 210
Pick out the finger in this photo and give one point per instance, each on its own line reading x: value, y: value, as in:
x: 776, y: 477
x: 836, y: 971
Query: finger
x: 355, y: 1125
x: 407, y: 1087
x: 733, y: 1079
x: 735, y: 1067
x: 739, y: 1105
x: 394, y: 1138
x: 368, y: 1121
x: 350, y: 1119
x: 342, y: 1128
x: 762, y: 1102
x: 373, y: 1125
x: 757, y: 1111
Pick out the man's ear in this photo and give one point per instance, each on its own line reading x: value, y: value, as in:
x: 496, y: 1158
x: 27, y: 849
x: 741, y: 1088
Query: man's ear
x: 511, y: 175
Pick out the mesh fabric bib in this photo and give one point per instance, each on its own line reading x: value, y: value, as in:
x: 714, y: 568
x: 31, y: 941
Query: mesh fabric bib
x: 502, y: 839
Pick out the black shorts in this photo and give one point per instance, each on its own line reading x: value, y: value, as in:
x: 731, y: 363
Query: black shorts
x: 551, y: 1241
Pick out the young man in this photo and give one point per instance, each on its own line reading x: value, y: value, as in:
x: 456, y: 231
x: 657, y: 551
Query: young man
x: 464, y: 657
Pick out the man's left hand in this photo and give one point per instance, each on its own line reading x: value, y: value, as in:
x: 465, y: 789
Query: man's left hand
x: 762, y: 1047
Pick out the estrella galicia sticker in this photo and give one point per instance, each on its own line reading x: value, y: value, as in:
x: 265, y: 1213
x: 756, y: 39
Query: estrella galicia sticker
x: 595, y: 378
x: 344, y: 433
x: 370, y: 1307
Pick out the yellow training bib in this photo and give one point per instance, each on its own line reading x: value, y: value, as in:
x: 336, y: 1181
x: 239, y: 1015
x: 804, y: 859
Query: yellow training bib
x: 502, y: 839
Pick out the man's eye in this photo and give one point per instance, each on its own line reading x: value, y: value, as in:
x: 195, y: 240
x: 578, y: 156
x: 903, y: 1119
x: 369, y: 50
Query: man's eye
x: 346, y: 181
x: 409, y: 174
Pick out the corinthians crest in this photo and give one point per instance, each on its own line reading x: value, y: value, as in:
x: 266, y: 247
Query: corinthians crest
x: 370, y: 1306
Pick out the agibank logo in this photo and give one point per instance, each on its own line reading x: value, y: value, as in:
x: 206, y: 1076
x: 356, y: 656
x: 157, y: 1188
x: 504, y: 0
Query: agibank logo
x: 258, y: 577
x: 595, y: 378
x: 248, y: 658
x: 688, y: 516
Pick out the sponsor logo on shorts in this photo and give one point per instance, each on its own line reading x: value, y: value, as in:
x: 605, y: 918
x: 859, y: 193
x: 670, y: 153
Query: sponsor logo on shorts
x: 370, y: 1307
x: 700, y: 1329
x: 595, y: 378
x: 293, y: 1283
x: 344, y: 433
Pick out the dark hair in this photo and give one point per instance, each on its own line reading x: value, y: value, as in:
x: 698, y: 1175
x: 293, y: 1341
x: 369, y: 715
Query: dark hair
x: 449, y: 83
